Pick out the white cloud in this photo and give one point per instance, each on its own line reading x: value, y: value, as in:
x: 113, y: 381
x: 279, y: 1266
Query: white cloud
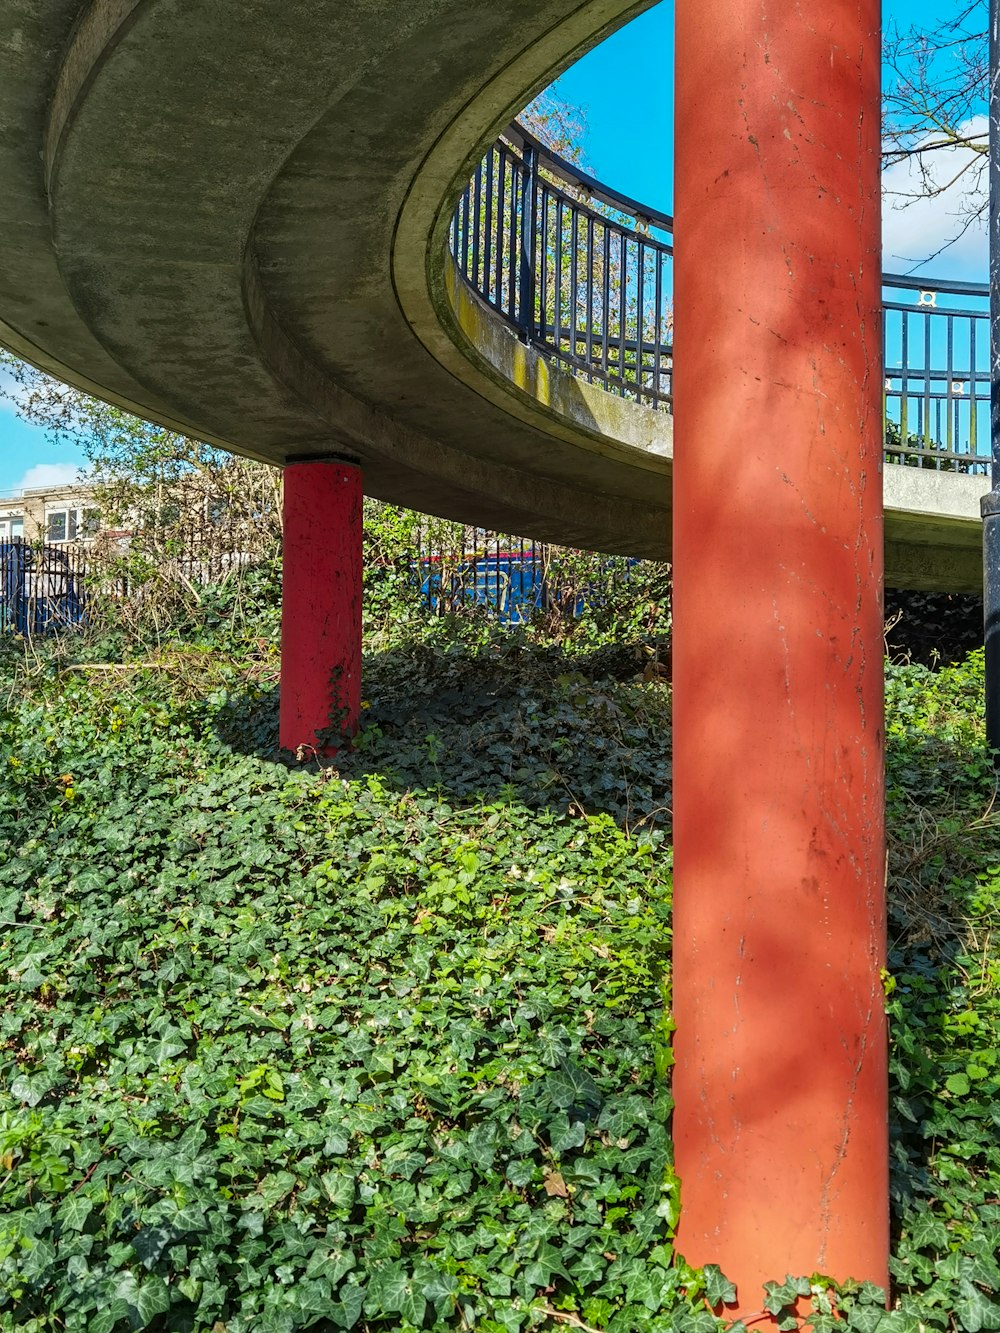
x: 49, y: 474
x: 916, y: 228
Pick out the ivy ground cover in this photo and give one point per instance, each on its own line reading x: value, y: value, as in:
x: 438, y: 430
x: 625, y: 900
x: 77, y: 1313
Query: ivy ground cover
x: 385, y: 1047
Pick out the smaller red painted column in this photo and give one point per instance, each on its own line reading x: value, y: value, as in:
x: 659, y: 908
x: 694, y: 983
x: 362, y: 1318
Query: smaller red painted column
x: 320, y: 605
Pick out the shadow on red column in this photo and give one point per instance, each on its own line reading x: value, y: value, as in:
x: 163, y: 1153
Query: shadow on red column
x: 780, y: 1082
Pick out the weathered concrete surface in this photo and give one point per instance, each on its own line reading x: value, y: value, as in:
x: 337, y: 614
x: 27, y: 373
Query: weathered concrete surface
x: 933, y: 532
x: 199, y: 204
x: 230, y: 217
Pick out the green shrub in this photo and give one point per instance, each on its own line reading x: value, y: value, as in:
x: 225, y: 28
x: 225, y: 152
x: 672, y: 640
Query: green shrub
x: 384, y: 1047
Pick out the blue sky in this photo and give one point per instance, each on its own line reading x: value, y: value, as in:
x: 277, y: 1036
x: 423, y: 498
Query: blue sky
x: 27, y: 458
x: 633, y: 70
x: 626, y: 90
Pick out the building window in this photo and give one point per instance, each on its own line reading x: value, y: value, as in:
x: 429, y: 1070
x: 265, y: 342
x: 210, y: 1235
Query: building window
x: 57, y: 529
x: 66, y: 525
x: 62, y: 525
x: 11, y: 527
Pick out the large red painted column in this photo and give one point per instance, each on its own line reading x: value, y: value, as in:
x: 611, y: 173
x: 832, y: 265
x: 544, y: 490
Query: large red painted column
x: 780, y: 1081
x: 320, y: 605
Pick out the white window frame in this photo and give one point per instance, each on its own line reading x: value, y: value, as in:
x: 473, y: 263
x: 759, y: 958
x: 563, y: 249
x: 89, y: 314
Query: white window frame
x: 68, y: 528
x: 80, y: 521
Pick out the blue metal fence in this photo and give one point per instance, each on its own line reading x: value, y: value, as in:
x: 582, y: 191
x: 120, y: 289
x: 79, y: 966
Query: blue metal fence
x: 41, y: 587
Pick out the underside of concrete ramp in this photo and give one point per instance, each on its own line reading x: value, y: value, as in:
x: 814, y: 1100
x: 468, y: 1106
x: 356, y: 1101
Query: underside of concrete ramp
x: 231, y: 218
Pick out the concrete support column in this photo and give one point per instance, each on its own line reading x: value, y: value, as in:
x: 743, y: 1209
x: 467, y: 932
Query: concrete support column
x: 321, y: 604
x: 780, y: 1080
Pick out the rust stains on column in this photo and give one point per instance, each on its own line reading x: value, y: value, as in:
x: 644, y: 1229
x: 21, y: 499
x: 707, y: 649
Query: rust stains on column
x: 321, y: 605
x: 780, y: 1080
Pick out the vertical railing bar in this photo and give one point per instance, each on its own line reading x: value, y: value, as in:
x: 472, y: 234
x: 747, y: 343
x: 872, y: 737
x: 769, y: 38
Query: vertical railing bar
x: 658, y: 327
x: 574, y: 283
x: 464, y: 261
x: 512, y: 245
x: 605, y: 304
x: 557, y: 281
x: 526, y: 285
x: 640, y: 319
x: 927, y: 381
x: 904, y: 397
x: 488, y: 226
x: 543, y: 274
x: 590, y: 298
x: 949, y: 433
x: 477, y: 206
x: 973, y: 379
x: 501, y: 207
x: 622, y: 306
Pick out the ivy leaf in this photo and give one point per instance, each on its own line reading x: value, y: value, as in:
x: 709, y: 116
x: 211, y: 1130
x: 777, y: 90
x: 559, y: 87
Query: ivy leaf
x: 150, y: 1242
x: 521, y: 1171
x: 413, y: 1304
x: 143, y: 1300
x: 74, y: 1212
x: 30, y: 1090
x: 975, y: 1311
x: 397, y: 1293
x: 566, y: 1134
x: 718, y: 1289
x: 440, y: 1286
x: 778, y: 1295
x: 555, y: 1186
x: 927, y: 1231
x: 573, y: 1090
x: 166, y: 1047
x: 336, y: 1143
x: 105, y: 1319
x: 332, y: 1263
x: 866, y: 1319
x: 589, y: 1270
x: 339, y: 1188
x: 347, y: 1312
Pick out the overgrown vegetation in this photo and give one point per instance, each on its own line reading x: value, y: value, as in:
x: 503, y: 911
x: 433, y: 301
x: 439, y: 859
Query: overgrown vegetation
x: 383, y: 1046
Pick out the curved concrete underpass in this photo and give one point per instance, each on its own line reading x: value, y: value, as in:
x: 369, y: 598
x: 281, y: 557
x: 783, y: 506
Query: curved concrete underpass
x: 200, y: 207
x: 232, y: 218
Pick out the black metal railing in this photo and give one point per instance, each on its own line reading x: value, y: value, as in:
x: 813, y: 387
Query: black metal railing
x: 937, y: 373
x: 581, y: 271
x: 41, y: 587
x: 585, y: 275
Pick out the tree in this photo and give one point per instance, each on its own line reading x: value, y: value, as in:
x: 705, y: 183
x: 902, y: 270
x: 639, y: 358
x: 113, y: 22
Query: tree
x: 934, y: 112
x: 147, y: 479
x: 176, y: 514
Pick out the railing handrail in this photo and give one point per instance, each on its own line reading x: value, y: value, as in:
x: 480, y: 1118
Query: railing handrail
x: 948, y: 286
x: 582, y: 272
x: 578, y: 178
x: 575, y: 176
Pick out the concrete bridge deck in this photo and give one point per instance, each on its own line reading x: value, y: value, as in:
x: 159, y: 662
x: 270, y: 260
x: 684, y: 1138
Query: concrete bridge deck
x: 232, y: 218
